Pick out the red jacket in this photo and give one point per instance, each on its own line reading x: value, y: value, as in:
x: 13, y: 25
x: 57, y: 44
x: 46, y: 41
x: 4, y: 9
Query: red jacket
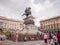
x: 58, y: 37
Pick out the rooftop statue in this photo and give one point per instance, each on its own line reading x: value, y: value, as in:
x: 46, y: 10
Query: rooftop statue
x: 27, y: 12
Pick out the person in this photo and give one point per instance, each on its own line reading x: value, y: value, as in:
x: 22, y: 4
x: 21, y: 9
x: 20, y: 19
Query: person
x: 55, y: 40
x: 45, y: 38
x: 50, y: 37
x: 16, y: 37
x: 1, y: 42
x: 2, y: 39
x: 58, y: 37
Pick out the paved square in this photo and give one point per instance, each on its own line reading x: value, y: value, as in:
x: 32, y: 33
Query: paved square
x: 41, y: 42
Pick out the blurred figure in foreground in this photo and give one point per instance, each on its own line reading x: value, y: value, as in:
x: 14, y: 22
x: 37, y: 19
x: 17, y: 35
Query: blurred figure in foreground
x: 45, y: 38
x: 55, y: 40
x: 50, y: 37
x: 2, y: 38
x: 58, y: 37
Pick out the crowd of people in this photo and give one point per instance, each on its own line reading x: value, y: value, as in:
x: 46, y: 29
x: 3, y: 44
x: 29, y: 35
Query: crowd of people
x: 49, y: 38
x: 53, y: 39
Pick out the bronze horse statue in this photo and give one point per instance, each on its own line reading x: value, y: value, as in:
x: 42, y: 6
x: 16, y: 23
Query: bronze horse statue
x: 27, y: 12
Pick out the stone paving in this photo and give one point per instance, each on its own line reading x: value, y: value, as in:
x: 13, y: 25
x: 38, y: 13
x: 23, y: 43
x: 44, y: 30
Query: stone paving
x: 41, y: 42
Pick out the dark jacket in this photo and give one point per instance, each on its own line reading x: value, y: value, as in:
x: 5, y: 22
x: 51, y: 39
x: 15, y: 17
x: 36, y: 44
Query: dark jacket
x: 58, y: 37
x: 0, y: 38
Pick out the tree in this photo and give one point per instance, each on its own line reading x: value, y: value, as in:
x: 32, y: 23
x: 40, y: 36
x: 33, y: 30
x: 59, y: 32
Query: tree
x: 8, y: 34
x: 1, y: 30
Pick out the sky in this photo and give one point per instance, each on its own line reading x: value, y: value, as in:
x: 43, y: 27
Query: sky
x: 41, y: 9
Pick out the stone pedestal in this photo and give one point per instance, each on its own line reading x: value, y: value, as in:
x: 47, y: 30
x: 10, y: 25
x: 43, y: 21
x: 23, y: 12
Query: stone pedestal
x: 29, y: 20
x: 29, y: 30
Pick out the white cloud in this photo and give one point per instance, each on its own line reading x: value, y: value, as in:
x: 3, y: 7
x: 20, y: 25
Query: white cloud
x: 44, y: 10
x: 13, y: 8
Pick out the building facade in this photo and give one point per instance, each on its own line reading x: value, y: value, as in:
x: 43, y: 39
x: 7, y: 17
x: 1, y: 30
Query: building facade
x: 50, y: 25
x: 10, y: 24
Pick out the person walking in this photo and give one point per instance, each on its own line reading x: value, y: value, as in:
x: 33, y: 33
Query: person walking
x: 1, y: 43
x: 50, y: 37
x: 58, y: 37
x: 45, y: 38
x: 55, y: 40
x: 2, y: 38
